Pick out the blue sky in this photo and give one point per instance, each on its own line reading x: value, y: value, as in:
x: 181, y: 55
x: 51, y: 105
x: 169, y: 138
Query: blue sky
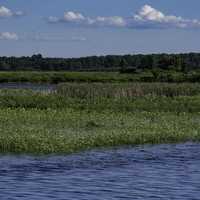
x: 74, y: 28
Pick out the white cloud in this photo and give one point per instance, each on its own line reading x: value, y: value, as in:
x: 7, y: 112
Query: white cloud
x: 152, y: 17
x: 149, y: 17
x: 146, y: 17
x: 149, y: 13
x: 8, y: 36
x: 18, y: 13
x: 6, y: 12
x: 78, y: 18
x: 73, y: 17
x: 52, y: 19
x: 115, y: 21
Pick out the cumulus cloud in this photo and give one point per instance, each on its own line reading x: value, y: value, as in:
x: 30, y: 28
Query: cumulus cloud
x: 6, y: 12
x: 78, y: 18
x: 152, y: 17
x: 73, y: 17
x: 146, y: 17
x: 8, y: 36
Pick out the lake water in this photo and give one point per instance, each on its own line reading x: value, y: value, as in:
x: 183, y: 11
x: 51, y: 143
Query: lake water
x: 149, y: 172
x: 30, y: 86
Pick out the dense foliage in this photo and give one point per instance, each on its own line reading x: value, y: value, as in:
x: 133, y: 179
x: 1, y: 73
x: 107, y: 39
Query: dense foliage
x: 126, y: 63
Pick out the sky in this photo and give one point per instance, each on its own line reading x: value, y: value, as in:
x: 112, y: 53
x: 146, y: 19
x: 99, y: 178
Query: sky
x: 76, y: 28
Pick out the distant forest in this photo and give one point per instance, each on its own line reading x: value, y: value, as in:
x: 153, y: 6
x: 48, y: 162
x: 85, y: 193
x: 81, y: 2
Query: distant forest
x: 127, y: 63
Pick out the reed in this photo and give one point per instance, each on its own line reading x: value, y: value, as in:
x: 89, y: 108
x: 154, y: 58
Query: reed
x: 127, y: 90
x: 115, y: 97
x: 79, y: 117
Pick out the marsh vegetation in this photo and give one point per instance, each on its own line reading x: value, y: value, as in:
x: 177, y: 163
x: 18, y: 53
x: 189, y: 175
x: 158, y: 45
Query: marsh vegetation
x: 55, y: 77
x: 81, y: 116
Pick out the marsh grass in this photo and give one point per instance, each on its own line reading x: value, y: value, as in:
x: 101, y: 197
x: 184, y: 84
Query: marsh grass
x: 114, y: 97
x: 148, y: 76
x: 67, y: 131
x: 60, y: 77
x: 84, y: 116
x: 127, y: 90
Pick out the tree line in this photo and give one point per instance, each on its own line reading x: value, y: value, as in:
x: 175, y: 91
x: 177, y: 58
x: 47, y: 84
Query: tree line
x: 125, y: 64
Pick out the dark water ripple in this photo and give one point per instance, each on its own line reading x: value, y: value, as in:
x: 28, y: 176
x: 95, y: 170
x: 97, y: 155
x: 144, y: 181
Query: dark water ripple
x: 150, y: 172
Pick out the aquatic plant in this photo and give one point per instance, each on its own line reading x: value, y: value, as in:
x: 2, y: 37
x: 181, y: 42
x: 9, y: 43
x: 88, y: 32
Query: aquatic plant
x: 67, y: 131
x: 84, y: 116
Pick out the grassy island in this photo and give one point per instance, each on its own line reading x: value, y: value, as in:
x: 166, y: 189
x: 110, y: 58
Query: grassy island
x: 82, y: 116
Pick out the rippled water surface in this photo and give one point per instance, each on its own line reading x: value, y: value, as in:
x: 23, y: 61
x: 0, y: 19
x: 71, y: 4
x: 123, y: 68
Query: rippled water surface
x: 150, y: 172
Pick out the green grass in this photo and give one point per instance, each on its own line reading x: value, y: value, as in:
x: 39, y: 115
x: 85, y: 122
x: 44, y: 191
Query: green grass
x: 114, y: 97
x: 102, y: 77
x: 79, y: 117
x: 67, y: 131
x: 60, y: 77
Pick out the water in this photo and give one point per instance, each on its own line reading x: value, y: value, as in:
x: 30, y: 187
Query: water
x: 150, y: 172
x: 30, y: 86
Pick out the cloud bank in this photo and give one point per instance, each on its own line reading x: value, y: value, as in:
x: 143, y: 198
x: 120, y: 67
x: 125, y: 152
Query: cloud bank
x: 8, y: 36
x: 6, y: 12
x: 146, y: 17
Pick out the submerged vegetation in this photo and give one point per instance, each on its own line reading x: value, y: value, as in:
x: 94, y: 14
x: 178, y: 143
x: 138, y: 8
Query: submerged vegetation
x: 81, y: 116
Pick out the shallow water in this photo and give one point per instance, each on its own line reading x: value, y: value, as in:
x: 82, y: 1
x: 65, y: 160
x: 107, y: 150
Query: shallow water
x: 30, y: 86
x: 149, y: 172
